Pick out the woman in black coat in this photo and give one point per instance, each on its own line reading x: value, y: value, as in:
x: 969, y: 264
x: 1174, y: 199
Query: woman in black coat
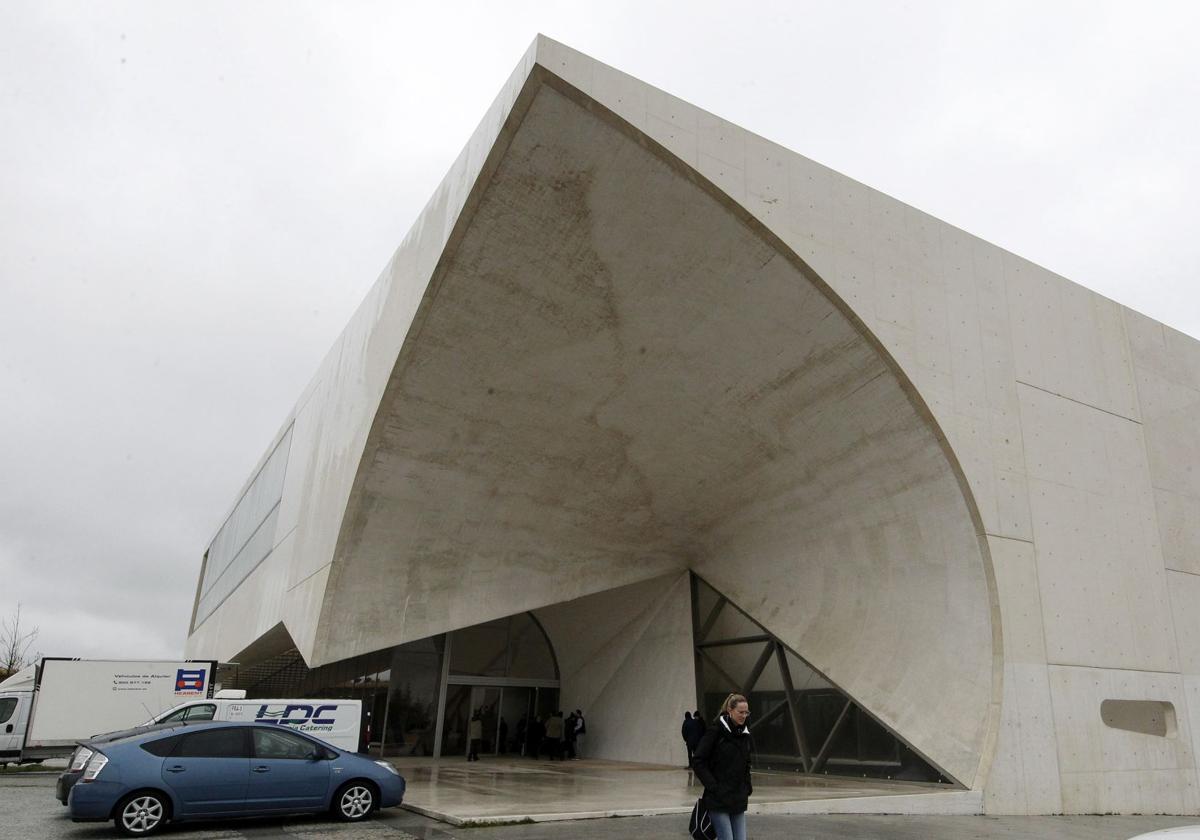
x: 722, y: 763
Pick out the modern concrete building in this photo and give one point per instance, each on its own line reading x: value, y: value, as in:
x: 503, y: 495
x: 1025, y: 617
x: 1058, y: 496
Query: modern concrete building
x: 646, y: 408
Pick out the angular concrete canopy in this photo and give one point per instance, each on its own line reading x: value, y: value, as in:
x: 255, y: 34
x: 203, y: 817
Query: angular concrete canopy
x: 616, y: 374
x: 626, y: 339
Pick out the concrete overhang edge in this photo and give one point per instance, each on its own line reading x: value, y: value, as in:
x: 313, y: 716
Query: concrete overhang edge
x: 541, y: 74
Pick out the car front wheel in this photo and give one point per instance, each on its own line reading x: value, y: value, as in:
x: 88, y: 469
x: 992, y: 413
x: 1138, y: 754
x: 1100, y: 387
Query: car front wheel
x: 354, y: 801
x: 141, y: 814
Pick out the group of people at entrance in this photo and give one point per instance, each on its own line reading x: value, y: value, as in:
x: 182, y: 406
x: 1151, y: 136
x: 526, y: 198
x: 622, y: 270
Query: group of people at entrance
x: 720, y: 755
x: 553, y: 736
x: 550, y: 735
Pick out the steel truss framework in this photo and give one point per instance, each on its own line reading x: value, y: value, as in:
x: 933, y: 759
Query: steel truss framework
x: 825, y: 730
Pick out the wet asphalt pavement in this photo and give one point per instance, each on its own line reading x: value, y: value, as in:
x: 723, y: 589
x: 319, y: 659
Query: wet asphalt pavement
x: 29, y: 811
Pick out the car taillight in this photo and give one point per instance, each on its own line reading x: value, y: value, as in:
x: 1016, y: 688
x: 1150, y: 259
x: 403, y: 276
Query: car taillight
x: 94, y: 767
x: 80, y: 759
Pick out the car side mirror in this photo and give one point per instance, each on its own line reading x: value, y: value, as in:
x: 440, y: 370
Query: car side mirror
x: 315, y: 755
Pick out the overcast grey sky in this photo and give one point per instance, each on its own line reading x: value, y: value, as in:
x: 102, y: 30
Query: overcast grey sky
x: 195, y: 196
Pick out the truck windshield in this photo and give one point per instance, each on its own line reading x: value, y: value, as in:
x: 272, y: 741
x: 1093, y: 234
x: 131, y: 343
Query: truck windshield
x: 7, y: 706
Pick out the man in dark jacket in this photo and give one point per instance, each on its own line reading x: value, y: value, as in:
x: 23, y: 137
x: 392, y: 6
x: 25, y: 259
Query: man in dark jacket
x: 722, y: 763
x: 692, y: 731
x: 685, y: 732
x: 569, y: 735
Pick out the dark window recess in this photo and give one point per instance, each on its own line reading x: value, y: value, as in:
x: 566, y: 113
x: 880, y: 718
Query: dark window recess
x: 7, y: 706
x: 213, y: 743
x: 161, y: 747
x: 1146, y: 717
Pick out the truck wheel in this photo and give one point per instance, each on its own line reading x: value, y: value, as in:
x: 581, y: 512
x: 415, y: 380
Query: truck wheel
x: 354, y: 801
x: 141, y: 814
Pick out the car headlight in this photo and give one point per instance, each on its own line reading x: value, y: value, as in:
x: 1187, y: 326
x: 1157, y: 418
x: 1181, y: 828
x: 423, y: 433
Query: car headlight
x: 94, y: 766
x: 80, y: 759
x: 387, y: 765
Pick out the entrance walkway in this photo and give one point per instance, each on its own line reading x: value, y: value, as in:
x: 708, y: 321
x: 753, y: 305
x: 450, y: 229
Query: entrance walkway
x: 503, y: 790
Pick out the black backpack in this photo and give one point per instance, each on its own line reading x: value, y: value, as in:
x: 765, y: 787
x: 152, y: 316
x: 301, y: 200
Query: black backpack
x: 700, y: 827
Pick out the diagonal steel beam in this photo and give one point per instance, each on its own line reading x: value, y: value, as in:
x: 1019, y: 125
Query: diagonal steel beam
x: 823, y: 755
x: 736, y: 640
x: 793, y: 709
x: 733, y: 684
x: 759, y: 666
x: 697, y: 661
x: 713, y: 614
x: 769, y: 716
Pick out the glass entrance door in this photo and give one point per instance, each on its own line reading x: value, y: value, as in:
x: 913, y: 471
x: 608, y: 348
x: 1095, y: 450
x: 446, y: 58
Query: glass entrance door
x: 485, y: 702
x: 505, y: 714
x: 458, y: 714
x: 516, y: 705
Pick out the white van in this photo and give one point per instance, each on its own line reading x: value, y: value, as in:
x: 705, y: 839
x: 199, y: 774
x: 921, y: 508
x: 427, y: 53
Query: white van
x: 337, y: 722
x: 16, y: 696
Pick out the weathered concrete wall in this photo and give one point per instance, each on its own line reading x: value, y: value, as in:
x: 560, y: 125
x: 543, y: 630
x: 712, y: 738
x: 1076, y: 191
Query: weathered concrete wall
x: 611, y: 648
x: 1070, y: 426
x: 618, y: 377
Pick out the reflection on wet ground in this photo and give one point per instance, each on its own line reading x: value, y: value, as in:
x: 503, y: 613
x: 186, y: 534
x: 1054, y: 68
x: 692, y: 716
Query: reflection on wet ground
x: 515, y: 790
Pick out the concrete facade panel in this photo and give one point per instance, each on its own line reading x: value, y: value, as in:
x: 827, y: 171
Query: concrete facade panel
x: 1185, y: 594
x: 1068, y: 340
x: 1179, y: 529
x: 1113, y: 769
x: 1020, y: 601
x: 1172, y: 412
x: 1099, y: 564
x: 1024, y: 778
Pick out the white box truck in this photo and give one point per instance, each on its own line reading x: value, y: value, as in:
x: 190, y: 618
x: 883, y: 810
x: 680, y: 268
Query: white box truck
x: 46, y: 708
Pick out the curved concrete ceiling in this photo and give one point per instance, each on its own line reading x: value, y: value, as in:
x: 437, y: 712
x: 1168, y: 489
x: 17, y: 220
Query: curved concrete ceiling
x: 616, y: 374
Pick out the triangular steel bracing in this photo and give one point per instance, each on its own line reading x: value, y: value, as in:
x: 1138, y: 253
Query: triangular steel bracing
x: 801, y: 721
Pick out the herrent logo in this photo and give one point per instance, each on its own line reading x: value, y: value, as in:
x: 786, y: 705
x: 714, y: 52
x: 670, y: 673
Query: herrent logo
x: 189, y: 682
x: 299, y: 714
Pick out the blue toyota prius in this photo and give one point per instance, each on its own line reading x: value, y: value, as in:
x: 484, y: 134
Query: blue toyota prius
x: 220, y: 770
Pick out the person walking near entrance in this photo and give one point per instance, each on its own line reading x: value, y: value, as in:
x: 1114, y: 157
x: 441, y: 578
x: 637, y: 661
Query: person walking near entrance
x: 686, y: 733
x: 569, y: 736
x: 580, y: 731
x: 692, y: 731
x: 475, y: 735
x: 522, y: 728
x: 722, y: 763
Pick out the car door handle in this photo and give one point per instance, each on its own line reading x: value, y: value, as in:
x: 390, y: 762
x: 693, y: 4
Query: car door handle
x: 176, y: 769
x: 262, y: 769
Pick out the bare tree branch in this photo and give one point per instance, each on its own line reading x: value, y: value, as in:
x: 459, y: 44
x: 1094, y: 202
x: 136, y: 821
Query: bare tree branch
x: 14, y: 644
